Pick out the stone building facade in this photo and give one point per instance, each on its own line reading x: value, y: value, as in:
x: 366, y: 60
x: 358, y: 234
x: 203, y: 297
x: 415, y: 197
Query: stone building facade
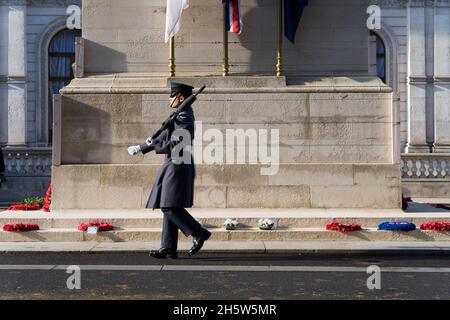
x: 27, y: 29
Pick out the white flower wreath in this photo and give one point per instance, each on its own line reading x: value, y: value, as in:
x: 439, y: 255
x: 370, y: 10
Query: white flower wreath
x: 266, y: 224
x: 231, y: 224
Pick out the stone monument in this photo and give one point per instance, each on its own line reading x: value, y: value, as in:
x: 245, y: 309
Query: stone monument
x: 336, y: 121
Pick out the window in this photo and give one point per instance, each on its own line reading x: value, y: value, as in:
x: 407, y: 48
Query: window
x: 61, y: 56
x: 381, y: 58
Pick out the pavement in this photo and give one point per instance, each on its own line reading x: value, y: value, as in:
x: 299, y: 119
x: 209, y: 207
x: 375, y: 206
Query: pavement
x: 241, y: 247
x: 221, y: 276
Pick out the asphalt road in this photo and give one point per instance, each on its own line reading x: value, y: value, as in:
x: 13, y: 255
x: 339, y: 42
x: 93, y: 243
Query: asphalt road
x: 223, y: 277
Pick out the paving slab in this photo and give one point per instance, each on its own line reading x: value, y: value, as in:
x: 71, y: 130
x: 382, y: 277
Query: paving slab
x: 248, y: 247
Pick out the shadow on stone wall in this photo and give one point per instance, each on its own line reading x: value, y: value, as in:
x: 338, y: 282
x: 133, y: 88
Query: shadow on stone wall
x: 262, y: 46
x: 101, y: 59
x: 86, y: 136
x: 330, y: 40
x: 263, y: 42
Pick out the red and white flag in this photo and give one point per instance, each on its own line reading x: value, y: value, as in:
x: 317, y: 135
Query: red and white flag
x: 233, y: 21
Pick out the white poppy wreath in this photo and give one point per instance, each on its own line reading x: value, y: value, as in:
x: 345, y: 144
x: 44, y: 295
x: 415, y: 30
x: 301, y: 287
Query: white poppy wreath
x: 266, y: 224
x: 231, y: 224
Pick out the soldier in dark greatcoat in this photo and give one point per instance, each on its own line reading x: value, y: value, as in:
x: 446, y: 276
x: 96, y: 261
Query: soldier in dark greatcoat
x: 173, y: 190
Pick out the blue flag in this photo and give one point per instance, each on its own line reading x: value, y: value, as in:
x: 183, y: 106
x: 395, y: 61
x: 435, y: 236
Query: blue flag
x: 293, y: 10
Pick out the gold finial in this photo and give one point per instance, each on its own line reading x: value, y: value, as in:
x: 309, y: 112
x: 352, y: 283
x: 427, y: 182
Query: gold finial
x: 279, y: 66
x: 172, y: 57
x: 225, y: 65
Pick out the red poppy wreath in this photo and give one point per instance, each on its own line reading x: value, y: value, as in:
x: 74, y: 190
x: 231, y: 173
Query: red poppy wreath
x: 436, y: 226
x: 336, y: 226
x: 102, y: 226
x: 20, y: 227
x: 24, y: 207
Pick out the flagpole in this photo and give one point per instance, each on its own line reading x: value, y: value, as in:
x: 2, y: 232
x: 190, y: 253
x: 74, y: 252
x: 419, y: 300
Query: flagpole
x: 172, y: 57
x: 279, y: 65
x: 225, y: 65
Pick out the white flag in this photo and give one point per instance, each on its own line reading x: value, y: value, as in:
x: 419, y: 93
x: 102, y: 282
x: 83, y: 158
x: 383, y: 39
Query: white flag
x: 173, y: 16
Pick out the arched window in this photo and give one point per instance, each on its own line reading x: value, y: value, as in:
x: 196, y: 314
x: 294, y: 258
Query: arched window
x: 61, y: 56
x: 381, y: 57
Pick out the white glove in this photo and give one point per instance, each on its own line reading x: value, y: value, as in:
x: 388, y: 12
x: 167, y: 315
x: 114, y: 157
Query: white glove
x: 133, y: 150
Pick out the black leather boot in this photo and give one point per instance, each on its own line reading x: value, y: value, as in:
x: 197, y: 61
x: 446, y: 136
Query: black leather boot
x: 199, y: 239
x: 164, y: 253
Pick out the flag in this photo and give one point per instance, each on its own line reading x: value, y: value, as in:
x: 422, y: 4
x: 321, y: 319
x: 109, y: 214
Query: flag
x: 293, y: 10
x: 233, y: 21
x: 173, y: 16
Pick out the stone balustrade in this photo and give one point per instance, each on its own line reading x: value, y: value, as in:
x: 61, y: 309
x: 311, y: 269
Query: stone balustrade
x: 28, y: 174
x: 426, y: 166
x: 426, y: 175
x: 26, y: 162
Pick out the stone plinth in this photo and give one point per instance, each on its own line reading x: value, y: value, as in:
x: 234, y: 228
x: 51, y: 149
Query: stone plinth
x: 335, y: 143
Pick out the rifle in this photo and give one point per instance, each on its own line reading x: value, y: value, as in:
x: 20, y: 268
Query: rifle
x: 174, y: 115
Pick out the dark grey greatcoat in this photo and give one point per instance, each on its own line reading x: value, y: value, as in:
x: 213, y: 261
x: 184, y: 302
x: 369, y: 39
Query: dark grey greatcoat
x: 174, y: 184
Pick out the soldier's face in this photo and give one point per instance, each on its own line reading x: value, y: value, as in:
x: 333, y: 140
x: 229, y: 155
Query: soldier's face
x: 176, y: 101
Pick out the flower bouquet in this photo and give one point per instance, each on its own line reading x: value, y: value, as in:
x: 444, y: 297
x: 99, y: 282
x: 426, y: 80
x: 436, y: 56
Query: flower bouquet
x: 231, y: 224
x: 266, y: 224
x: 34, y: 201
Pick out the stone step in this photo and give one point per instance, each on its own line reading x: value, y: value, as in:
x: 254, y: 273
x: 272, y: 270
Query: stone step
x: 248, y: 234
x: 215, y: 222
x: 214, y: 217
